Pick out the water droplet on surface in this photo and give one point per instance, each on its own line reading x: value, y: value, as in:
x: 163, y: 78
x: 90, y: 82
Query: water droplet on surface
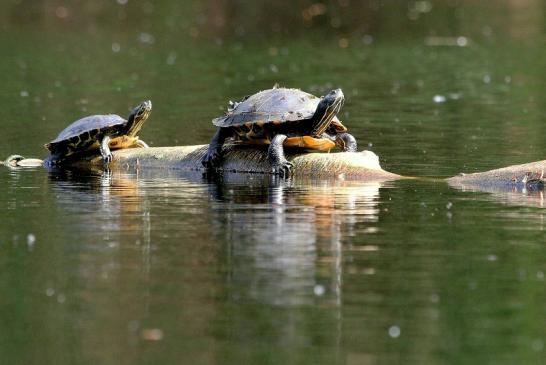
x: 116, y: 47
x: 319, y: 290
x: 394, y: 331
x: 24, y: 93
x: 31, y: 240
x: 439, y: 99
x: 462, y: 41
x: 146, y: 38
x: 50, y: 292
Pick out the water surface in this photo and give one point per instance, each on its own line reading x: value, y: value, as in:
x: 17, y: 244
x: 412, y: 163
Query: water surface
x: 147, y: 267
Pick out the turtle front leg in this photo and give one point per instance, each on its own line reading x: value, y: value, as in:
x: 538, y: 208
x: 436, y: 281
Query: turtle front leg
x: 346, y: 142
x: 213, y: 157
x: 105, y: 150
x: 279, y: 164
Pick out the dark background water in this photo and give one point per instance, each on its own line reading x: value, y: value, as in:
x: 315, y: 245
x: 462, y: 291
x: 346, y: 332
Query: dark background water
x: 155, y: 267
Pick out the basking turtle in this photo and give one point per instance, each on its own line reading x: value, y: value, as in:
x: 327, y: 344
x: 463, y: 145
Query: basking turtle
x: 282, y: 117
x: 99, y: 132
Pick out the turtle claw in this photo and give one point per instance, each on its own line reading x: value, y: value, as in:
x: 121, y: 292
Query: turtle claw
x: 283, y: 168
x: 108, y: 158
x: 212, y: 159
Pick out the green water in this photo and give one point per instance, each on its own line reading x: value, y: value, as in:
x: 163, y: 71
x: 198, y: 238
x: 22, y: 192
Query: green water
x: 172, y: 268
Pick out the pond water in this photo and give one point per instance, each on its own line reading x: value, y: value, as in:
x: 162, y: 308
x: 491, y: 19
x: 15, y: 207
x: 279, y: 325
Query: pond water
x: 155, y: 267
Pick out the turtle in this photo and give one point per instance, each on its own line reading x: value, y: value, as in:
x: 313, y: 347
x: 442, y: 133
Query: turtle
x: 99, y: 132
x: 282, y: 117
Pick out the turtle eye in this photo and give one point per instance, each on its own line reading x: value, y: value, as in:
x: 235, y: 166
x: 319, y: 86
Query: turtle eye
x: 141, y: 111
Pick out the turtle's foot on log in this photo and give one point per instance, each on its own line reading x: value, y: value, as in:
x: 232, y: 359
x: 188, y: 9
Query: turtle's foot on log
x: 212, y: 159
x: 283, y: 168
x: 279, y: 164
x: 346, y: 142
x: 105, y: 152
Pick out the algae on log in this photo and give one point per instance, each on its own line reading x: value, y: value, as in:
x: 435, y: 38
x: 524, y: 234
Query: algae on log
x: 358, y: 165
x: 516, y: 176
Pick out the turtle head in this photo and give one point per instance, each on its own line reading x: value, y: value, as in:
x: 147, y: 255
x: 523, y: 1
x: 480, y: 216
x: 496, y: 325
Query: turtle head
x: 138, y: 116
x: 327, y: 109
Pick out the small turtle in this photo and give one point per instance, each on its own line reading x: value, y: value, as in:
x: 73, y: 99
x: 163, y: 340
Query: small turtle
x: 99, y: 132
x: 282, y: 117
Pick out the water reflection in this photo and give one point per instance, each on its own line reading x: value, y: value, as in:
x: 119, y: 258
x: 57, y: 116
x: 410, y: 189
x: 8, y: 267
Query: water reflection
x: 510, y: 194
x: 262, y: 240
x: 276, y: 232
x: 111, y: 198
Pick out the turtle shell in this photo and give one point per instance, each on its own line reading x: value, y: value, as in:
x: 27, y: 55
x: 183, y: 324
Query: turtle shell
x: 271, y: 106
x: 85, y: 132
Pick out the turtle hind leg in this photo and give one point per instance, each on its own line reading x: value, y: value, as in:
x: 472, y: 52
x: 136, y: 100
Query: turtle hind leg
x: 346, y: 142
x: 279, y: 164
x: 213, y: 157
x: 105, y: 150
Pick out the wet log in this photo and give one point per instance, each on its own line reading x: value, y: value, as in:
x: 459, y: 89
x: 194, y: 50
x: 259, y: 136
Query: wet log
x: 352, y: 165
x: 516, y: 176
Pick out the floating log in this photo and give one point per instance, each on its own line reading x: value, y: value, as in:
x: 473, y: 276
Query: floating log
x: 247, y: 159
x: 529, y: 175
x: 352, y: 165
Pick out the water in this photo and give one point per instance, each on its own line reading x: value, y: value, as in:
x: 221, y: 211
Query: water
x: 152, y: 267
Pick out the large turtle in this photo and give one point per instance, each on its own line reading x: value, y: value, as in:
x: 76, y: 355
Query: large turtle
x: 278, y: 117
x: 99, y: 132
